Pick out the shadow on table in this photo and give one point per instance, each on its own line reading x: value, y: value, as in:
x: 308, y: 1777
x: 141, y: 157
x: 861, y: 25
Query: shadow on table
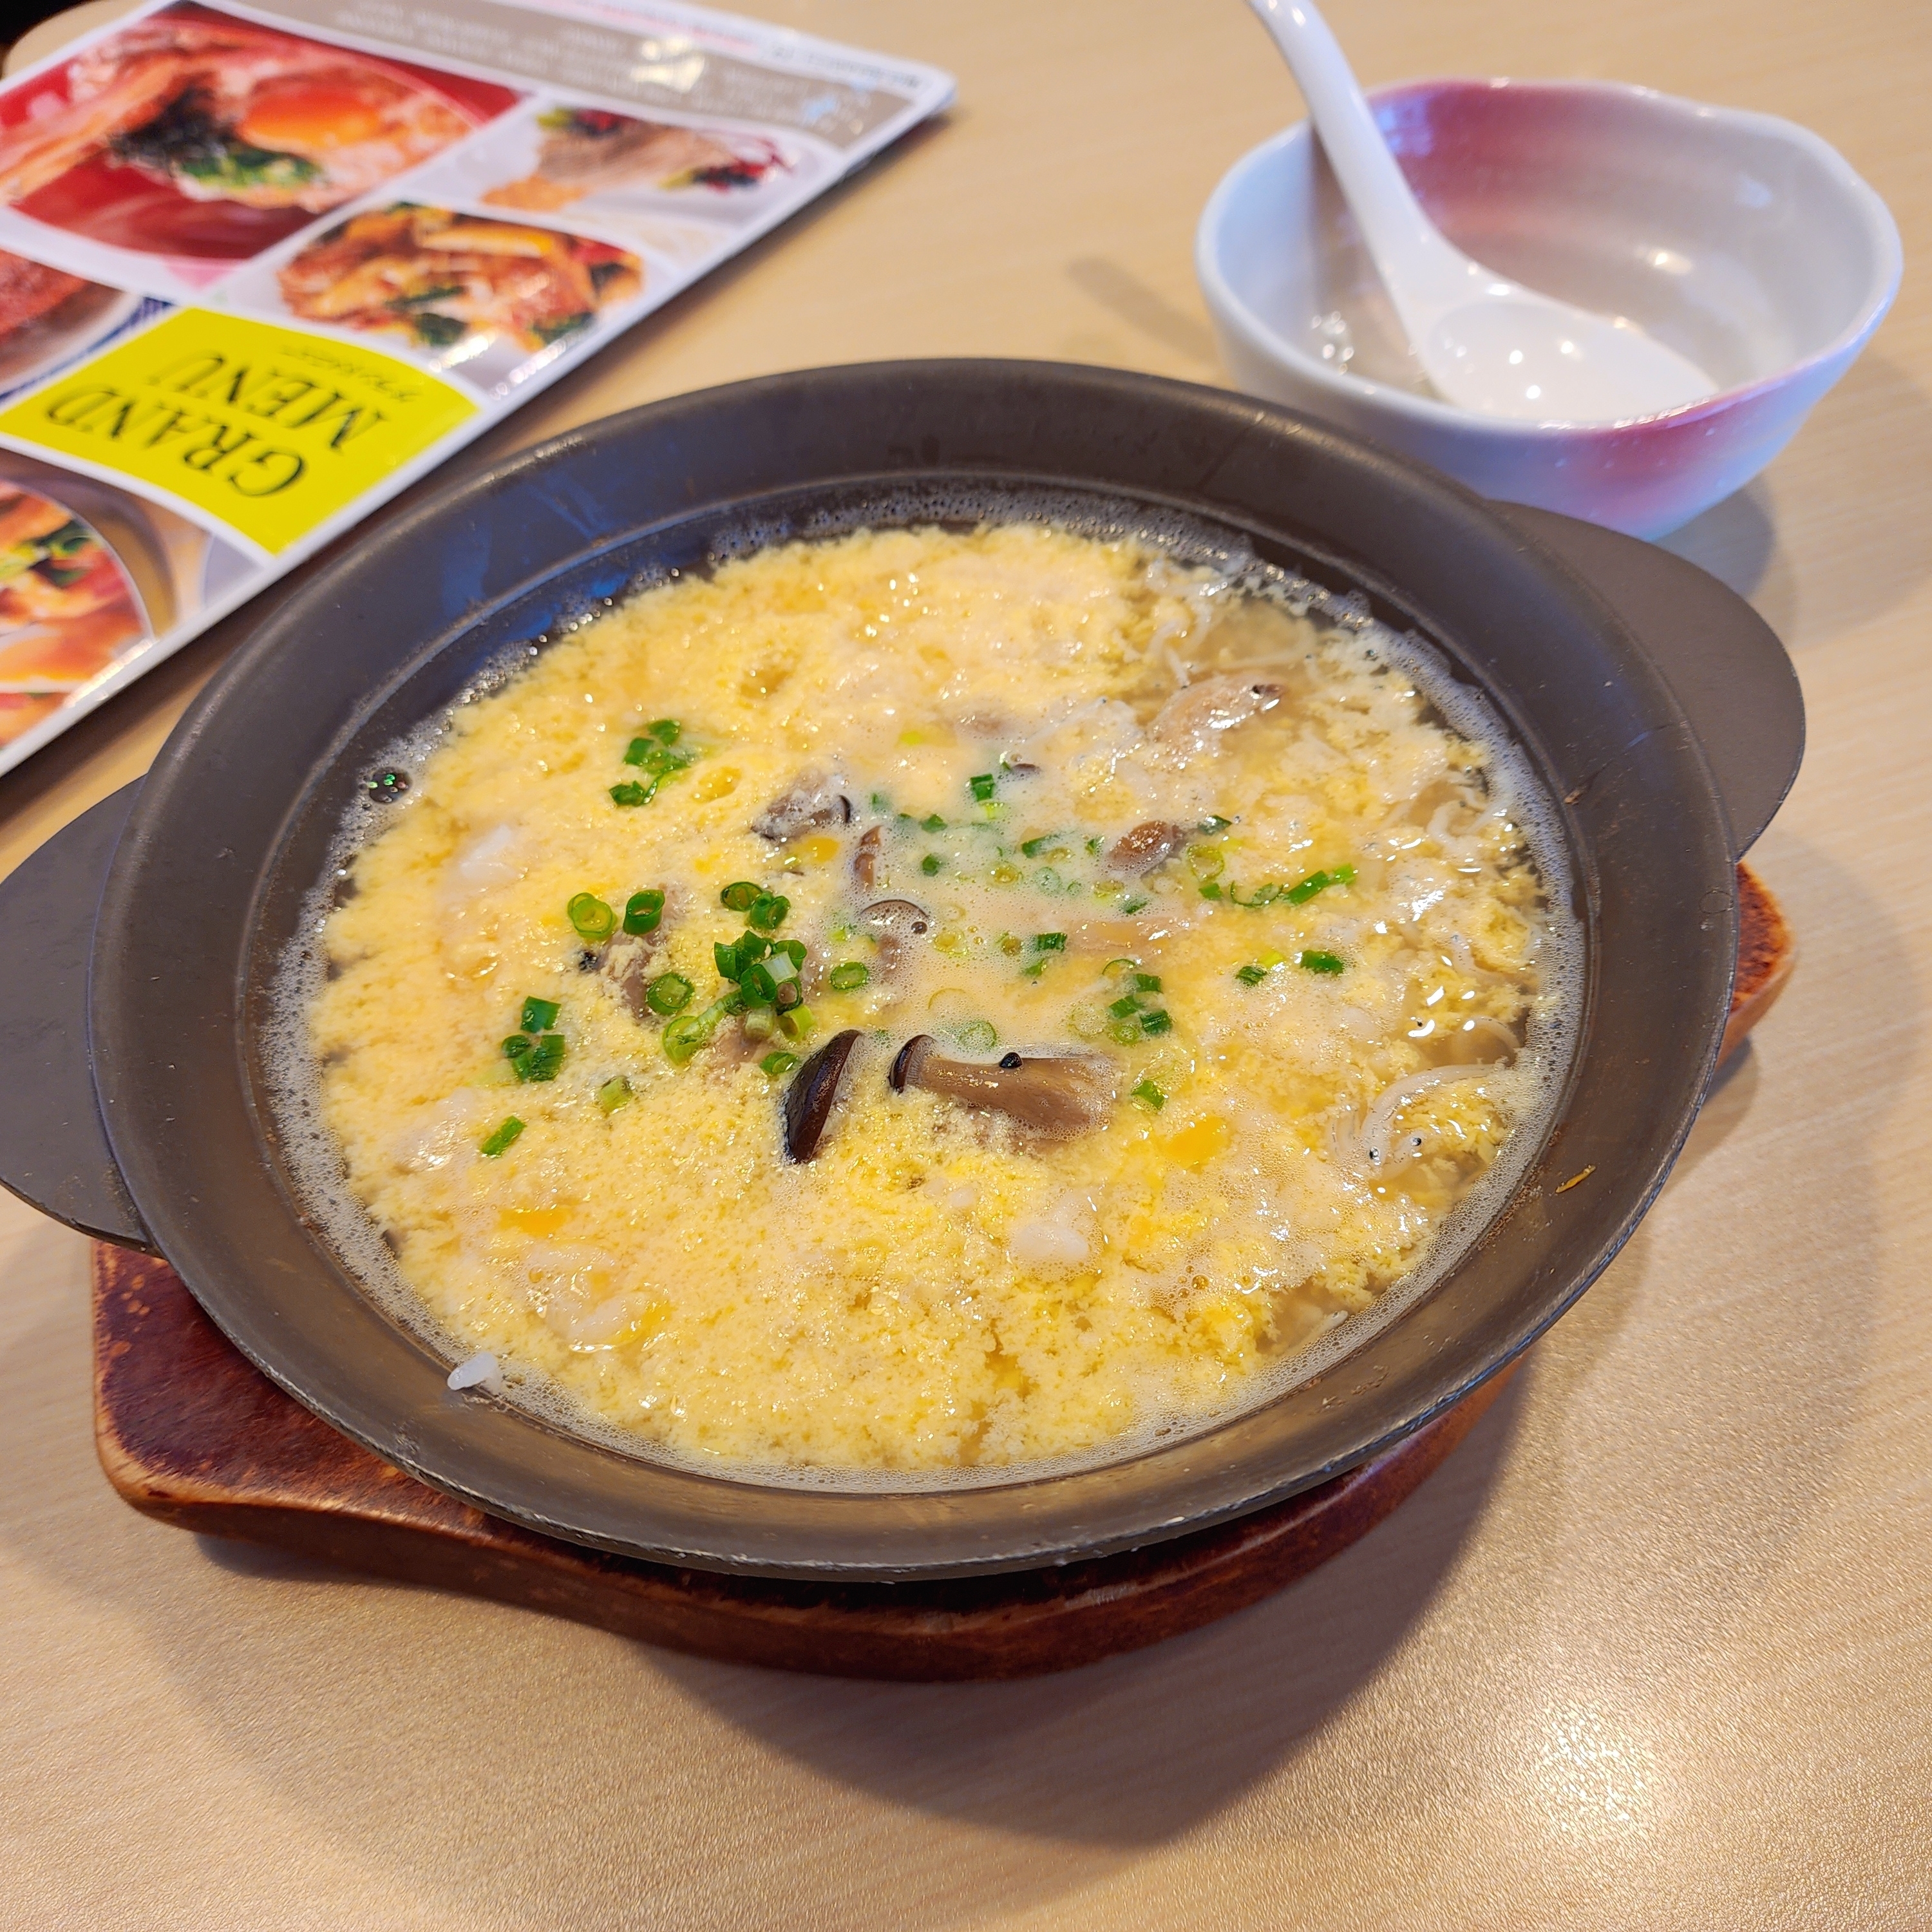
x: 1138, y: 1749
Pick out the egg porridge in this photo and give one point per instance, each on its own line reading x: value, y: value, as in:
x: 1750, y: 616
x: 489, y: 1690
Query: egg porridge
x: 931, y: 1001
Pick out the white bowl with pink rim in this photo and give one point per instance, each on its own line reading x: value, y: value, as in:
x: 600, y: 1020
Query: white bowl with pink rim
x: 1743, y: 240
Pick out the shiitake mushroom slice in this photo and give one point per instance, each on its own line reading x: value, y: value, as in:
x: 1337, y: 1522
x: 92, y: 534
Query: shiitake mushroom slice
x: 1057, y: 1095
x: 894, y: 924
x: 813, y: 1094
x: 1146, y: 846
x: 810, y: 801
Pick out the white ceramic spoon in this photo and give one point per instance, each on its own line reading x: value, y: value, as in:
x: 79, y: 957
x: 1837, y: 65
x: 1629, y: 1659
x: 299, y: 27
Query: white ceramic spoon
x: 1487, y: 343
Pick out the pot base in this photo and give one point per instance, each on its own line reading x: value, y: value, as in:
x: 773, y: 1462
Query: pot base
x: 190, y: 1433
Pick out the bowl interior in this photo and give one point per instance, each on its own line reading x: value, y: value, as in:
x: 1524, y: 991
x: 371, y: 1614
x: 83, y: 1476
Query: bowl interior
x: 1741, y: 240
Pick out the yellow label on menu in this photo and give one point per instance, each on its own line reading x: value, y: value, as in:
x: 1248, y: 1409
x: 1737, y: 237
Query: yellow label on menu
x: 271, y: 430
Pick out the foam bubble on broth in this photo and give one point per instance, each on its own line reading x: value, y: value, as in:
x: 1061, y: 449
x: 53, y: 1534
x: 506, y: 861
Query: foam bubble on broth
x: 1168, y: 1412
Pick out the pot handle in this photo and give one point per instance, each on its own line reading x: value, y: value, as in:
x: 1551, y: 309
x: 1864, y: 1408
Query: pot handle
x: 53, y: 1149
x: 1723, y: 660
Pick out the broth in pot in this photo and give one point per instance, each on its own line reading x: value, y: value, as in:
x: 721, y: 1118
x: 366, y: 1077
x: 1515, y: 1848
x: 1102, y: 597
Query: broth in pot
x: 931, y: 1004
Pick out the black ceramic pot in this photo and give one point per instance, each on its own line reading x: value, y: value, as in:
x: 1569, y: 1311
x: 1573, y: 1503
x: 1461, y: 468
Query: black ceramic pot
x: 135, y: 949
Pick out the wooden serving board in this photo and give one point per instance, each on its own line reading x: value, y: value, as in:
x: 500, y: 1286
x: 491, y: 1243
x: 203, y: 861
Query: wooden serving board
x: 190, y: 1433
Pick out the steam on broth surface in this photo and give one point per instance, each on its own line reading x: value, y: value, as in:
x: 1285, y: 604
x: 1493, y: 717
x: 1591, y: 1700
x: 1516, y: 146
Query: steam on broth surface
x: 927, y: 1002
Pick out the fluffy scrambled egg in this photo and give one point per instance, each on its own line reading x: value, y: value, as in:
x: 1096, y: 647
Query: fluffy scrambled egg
x: 1221, y: 859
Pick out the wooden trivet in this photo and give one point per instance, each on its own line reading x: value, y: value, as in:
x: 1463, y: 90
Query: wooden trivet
x: 190, y: 1433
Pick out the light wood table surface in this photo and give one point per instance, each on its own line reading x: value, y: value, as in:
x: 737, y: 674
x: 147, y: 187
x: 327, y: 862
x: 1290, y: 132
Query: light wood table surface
x: 1655, y: 1650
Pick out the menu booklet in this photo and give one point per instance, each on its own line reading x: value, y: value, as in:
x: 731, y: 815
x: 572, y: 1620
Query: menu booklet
x: 262, y: 265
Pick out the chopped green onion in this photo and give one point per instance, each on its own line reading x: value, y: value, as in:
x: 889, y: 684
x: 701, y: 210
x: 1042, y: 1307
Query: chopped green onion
x: 1149, y: 1095
x: 1127, y: 1033
x: 683, y: 1038
x: 643, y: 911
x: 1049, y: 942
x: 758, y: 984
x: 1263, y: 894
x: 768, y: 913
x: 591, y: 916
x: 653, y: 752
x: 931, y: 864
x: 1046, y: 879
x: 977, y: 1036
x: 1210, y: 890
x: 658, y: 759
x: 880, y: 803
x: 542, y: 1060
x: 1093, y: 847
x: 517, y: 1045
x: 1113, y: 966
x: 794, y: 950
x: 1125, y: 1004
x: 1206, y: 862
x: 1032, y: 847
x: 615, y: 1093
x: 1320, y: 962
x: 849, y: 976
x: 1213, y: 823
x: 760, y: 1023
x: 1009, y: 943
x: 742, y: 952
x: 740, y: 895
x: 1316, y: 882
x: 1034, y: 971
x: 981, y: 786
x: 798, y: 1023
x: 669, y: 993
x: 633, y: 793
x: 774, y: 1064
x: 1133, y: 905
x: 539, y: 1015
x: 1156, y: 1022
x: 933, y: 823
x: 791, y: 993
x: 1252, y: 976
x: 1146, y: 982
x: 502, y: 1137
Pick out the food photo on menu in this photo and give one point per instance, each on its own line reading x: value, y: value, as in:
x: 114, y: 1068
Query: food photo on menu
x: 49, y: 317
x: 90, y: 577
x: 67, y: 607
x: 195, y: 133
x: 587, y: 150
x: 456, y: 287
